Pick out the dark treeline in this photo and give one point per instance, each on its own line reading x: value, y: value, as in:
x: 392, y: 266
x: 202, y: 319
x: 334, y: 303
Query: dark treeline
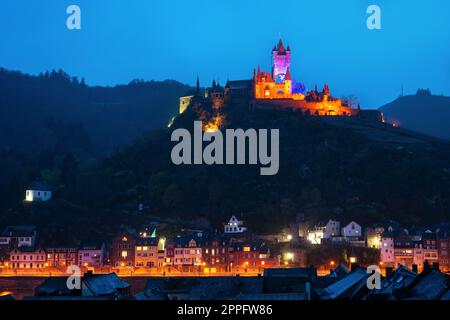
x: 51, y: 117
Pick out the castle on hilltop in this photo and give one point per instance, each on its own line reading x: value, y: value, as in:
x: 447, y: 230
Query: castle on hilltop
x: 274, y: 90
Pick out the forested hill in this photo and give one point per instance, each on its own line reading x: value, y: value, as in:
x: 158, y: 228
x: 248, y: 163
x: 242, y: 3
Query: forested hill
x: 423, y: 112
x: 52, y: 121
x: 54, y: 110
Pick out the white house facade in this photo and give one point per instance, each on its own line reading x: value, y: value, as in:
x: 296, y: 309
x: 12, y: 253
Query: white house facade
x: 18, y: 236
x: 234, y: 226
x: 38, y: 192
x: 352, y: 230
x: 27, y: 258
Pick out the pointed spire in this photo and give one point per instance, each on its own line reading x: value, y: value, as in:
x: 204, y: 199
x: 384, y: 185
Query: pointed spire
x: 288, y: 74
x: 281, y: 46
x: 198, y: 85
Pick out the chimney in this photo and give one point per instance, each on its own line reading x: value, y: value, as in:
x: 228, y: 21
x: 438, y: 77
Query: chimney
x: 389, y: 272
x: 415, y: 268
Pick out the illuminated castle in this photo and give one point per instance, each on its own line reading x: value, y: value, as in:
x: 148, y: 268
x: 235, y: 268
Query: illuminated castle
x: 273, y: 90
x: 278, y: 90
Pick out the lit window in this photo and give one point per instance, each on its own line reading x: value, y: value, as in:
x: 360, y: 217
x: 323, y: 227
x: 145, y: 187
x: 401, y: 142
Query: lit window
x: 124, y: 254
x: 246, y: 249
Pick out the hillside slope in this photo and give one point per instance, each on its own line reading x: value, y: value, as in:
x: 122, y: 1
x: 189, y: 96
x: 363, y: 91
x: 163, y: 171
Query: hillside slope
x: 343, y: 168
x: 422, y: 112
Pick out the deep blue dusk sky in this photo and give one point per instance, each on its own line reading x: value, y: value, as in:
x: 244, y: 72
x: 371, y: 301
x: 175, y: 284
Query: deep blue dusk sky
x: 122, y: 40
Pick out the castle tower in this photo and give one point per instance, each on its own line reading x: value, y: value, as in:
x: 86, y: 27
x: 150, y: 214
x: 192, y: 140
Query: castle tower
x: 281, y: 62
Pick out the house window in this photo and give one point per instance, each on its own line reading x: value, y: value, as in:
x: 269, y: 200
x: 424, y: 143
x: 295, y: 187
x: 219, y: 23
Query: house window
x: 124, y: 254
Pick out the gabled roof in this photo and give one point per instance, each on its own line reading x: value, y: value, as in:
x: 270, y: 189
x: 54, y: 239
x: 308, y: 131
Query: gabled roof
x: 19, y: 231
x: 239, y: 84
x: 54, y: 286
x: 344, y: 286
x: 213, y: 288
x: 401, y: 278
x: 39, y: 186
x: 429, y: 285
x: 147, y: 242
x: 105, y: 284
x: 92, y: 245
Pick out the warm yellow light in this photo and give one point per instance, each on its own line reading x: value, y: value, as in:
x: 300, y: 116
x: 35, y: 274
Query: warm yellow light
x: 246, y: 263
x: 85, y: 264
x: 289, y: 237
x: 381, y: 263
x: 46, y: 264
x: 246, y: 249
x: 263, y: 262
x: 122, y: 264
x: 289, y: 256
x: 332, y: 263
x: 286, y: 263
x: 7, y: 264
x: 5, y: 293
x: 352, y: 259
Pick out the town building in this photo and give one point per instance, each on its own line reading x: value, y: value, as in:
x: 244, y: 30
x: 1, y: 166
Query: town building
x: 92, y: 254
x: 27, y: 258
x: 323, y: 231
x: 215, y: 254
x: 430, y: 247
x: 246, y: 255
x: 373, y: 236
x: 404, y: 249
x: 387, y: 257
x: 184, y: 251
x: 62, y: 256
x: 443, y: 244
x: 38, y: 191
x: 18, y: 236
x: 149, y: 253
x: 123, y: 248
x: 235, y: 226
x: 352, y: 230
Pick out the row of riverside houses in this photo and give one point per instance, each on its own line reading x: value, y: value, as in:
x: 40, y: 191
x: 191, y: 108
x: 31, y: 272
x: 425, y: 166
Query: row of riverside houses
x: 20, y: 242
x: 198, y: 251
x: 411, y: 247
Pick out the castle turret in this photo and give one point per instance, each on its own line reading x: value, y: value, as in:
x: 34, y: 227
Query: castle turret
x: 198, y: 86
x: 281, y: 61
